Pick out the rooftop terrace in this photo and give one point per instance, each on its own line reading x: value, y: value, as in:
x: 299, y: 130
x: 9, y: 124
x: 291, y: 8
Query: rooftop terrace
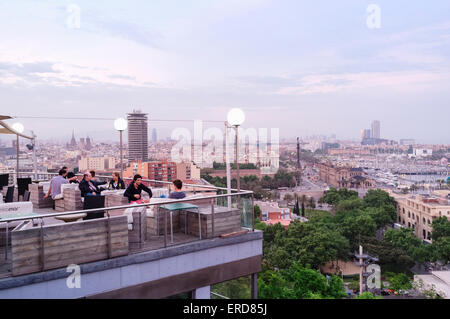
x: 44, y: 241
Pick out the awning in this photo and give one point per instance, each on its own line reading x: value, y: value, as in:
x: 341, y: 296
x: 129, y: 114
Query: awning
x: 6, y: 129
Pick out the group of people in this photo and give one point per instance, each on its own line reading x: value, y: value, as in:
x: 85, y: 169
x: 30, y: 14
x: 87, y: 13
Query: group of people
x: 89, y: 186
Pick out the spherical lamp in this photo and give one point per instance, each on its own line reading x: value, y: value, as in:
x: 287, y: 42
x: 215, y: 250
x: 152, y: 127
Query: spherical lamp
x: 236, y: 117
x: 120, y: 124
x: 18, y: 127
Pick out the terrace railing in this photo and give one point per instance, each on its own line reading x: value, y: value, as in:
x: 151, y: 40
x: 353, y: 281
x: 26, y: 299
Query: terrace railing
x: 242, y: 201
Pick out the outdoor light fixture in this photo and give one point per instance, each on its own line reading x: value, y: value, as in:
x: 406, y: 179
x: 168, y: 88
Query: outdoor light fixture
x: 18, y: 127
x: 121, y: 125
x: 236, y: 117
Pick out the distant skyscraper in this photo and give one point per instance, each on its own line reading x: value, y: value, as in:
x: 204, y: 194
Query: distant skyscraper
x: 88, y: 143
x: 137, y: 136
x: 375, y: 129
x: 154, y: 136
x: 82, y: 142
x: 365, y: 134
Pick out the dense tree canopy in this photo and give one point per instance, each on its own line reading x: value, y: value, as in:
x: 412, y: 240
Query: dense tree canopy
x: 299, y: 282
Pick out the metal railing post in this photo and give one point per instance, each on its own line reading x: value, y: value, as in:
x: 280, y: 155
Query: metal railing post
x: 212, y: 217
x: 165, y: 228
x: 253, y: 212
x: 109, y: 236
x: 6, y: 244
x: 42, y: 246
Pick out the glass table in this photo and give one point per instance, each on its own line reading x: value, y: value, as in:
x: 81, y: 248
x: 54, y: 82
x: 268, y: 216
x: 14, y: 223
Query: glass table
x: 180, y: 206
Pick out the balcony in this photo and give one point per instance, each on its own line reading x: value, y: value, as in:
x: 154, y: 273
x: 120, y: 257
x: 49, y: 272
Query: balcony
x: 209, y: 233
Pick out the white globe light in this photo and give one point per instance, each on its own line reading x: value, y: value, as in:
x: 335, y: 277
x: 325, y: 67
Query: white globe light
x: 120, y: 124
x: 18, y: 127
x: 236, y: 117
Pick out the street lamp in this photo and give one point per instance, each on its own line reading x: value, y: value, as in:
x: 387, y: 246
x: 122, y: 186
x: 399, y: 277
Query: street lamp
x: 236, y: 117
x: 121, y: 125
x: 18, y: 127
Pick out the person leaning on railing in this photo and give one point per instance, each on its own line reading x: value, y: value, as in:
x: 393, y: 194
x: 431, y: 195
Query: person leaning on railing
x: 116, y: 182
x: 55, y: 184
x: 133, y: 192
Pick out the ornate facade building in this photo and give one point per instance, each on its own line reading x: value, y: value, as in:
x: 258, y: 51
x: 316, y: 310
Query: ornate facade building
x: 344, y: 176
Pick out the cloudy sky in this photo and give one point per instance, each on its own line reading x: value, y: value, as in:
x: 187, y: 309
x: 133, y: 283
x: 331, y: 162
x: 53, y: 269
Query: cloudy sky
x: 306, y: 67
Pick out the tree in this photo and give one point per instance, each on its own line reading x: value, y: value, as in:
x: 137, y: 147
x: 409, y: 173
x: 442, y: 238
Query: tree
x: 353, y: 227
x: 441, y: 228
x: 441, y: 249
x: 400, y: 282
x: 296, y: 208
x: 367, y: 295
x: 334, y: 196
x: 311, y: 203
x: 303, y: 199
x: 272, y: 285
x: 288, y: 197
x: 257, y: 211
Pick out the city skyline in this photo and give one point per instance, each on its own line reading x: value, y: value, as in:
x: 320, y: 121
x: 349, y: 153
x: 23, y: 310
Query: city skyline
x: 325, y: 70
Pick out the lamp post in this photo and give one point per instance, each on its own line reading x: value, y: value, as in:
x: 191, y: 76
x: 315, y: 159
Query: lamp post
x: 18, y: 127
x: 227, y: 161
x: 235, y: 118
x: 121, y: 125
x: 32, y: 147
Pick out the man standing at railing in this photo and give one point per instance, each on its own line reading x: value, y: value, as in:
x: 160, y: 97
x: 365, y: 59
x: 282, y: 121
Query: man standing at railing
x: 133, y: 192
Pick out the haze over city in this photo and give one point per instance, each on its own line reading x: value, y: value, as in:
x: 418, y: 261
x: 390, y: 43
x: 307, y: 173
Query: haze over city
x: 304, y: 68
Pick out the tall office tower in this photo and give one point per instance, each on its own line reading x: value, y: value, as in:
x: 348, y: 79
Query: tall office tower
x: 154, y: 136
x: 376, y: 129
x: 137, y: 136
x: 88, y: 143
x: 365, y: 134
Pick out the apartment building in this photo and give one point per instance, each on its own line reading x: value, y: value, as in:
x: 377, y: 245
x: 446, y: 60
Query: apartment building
x: 157, y: 170
x: 419, y: 211
x: 187, y: 171
x: 97, y: 163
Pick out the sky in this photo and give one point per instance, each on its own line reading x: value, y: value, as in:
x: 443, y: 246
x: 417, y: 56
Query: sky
x: 305, y: 67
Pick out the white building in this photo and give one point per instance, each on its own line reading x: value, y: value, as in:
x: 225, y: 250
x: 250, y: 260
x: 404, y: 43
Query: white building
x: 96, y: 163
x: 422, y: 152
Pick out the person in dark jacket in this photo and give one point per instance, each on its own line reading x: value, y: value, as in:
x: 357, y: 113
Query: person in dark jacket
x: 133, y: 192
x: 116, y: 182
x: 177, y: 193
x: 72, y: 178
x: 87, y: 187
